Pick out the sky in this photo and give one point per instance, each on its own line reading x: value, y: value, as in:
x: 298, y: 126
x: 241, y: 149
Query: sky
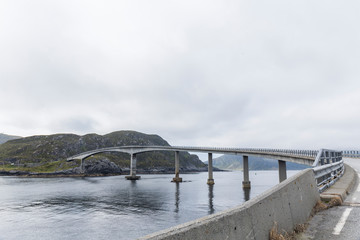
x: 272, y: 74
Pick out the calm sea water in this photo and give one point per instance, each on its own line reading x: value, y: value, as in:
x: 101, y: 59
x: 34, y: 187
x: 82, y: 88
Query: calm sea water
x: 114, y: 208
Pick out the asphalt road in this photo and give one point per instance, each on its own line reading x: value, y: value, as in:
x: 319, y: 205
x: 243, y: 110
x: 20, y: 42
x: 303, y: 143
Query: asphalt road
x: 341, y: 222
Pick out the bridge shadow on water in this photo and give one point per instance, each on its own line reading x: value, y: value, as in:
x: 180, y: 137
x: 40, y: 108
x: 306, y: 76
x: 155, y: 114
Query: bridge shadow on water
x: 210, y: 196
x: 247, y: 194
x: 177, y: 197
x: 211, y: 199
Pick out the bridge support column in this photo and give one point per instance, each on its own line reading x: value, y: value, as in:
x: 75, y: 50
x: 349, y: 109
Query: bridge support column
x: 132, y: 175
x: 246, y: 182
x: 282, y: 170
x: 177, y: 178
x: 210, y: 180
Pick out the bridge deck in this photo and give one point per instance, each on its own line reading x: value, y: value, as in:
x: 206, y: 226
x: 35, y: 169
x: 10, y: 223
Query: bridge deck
x: 306, y: 157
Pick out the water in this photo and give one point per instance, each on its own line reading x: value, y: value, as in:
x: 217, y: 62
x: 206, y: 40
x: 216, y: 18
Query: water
x: 114, y: 208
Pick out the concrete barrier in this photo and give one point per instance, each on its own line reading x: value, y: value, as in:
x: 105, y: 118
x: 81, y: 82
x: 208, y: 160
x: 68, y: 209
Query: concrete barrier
x: 342, y: 187
x: 287, y: 204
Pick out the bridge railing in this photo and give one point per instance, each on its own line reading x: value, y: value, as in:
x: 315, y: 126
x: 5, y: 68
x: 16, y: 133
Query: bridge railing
x: 351, y: 153
x: 328, y: 168
x: 287, y: 152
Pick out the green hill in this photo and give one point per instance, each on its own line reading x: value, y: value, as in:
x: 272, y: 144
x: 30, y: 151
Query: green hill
x: 235, y: 162
x: 48, y: 153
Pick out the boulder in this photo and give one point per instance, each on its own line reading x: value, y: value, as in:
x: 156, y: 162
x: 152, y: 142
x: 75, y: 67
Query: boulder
x: 101, y: 166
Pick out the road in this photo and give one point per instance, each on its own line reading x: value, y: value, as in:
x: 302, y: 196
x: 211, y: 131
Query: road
x: 341, y: 222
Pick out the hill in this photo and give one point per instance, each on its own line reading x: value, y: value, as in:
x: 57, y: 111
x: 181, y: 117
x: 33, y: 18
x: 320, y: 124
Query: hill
x: 48, y: 153
x: 235, y: 162
x: 4, y: 138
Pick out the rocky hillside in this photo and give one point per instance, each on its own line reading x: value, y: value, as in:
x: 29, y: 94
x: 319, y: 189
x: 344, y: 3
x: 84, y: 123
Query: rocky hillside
x: 5, y: 138
x: 235, y: 162
x: 31, y: 153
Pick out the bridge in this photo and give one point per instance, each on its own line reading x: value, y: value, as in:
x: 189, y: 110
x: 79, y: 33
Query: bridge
x: 288, y: 204
x: 327, y: 164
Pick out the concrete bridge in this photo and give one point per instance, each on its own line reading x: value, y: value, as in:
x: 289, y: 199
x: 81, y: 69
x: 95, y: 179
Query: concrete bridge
x: 312, y: 158
x: 287, y: 204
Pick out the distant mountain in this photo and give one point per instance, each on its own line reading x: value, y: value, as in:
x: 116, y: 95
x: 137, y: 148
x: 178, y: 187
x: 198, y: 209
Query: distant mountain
x: 41, y: 150
x: 4, y: 138
x: 235, y: 162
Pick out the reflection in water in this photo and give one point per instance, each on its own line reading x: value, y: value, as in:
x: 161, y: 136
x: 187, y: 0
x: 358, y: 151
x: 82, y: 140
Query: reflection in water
x: 132, y: 193
x: 246, y: 194
x: 211, y: 198
x: 112, y: 207
x: 177, y: 197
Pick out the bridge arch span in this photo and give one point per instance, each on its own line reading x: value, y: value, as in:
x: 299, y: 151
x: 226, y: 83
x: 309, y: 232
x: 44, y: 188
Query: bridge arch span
x: 312, y: 158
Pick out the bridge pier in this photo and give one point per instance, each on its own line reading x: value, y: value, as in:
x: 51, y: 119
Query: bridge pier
x: 210, y: 180
x: 177, y: 179
x: 246, y: 183
x: 132, y: 175
x: 282, y: 170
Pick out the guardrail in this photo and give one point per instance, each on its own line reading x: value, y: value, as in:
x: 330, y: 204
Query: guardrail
x: 290, y: 152
x: 351, y: 153
x: 328, y: 168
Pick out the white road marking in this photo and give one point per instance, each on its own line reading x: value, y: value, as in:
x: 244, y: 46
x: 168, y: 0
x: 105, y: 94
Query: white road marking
x: 339, y: 226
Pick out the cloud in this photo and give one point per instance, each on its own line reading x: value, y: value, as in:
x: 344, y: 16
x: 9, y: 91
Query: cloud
x: 240, y: 73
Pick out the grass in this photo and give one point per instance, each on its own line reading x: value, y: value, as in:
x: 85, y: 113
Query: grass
x: 47, y: 167
x: 274, y: 235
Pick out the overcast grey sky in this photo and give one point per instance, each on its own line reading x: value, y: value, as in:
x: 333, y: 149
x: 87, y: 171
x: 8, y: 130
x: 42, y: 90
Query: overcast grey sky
x: 209, y: 73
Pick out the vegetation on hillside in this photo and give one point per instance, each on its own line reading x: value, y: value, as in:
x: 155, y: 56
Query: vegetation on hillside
x: 49, y: 152
x: 41, y: 168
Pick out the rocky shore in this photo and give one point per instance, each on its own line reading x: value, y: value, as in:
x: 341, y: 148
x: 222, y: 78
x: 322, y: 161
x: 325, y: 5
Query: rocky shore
x: 102, y: 167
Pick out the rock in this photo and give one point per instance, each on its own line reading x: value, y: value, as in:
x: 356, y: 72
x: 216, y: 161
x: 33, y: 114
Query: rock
x: 102, y: 166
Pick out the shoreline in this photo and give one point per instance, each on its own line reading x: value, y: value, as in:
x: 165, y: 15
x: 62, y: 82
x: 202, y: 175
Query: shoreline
x: 62, y: 175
